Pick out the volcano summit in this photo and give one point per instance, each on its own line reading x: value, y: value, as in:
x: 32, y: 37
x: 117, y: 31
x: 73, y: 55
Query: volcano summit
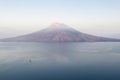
x: 58, y: 32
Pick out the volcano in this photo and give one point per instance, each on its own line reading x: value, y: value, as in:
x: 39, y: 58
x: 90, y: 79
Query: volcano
x: 59, y: 32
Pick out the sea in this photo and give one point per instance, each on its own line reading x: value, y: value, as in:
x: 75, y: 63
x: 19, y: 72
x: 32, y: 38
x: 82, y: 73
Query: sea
x: 60, y: 61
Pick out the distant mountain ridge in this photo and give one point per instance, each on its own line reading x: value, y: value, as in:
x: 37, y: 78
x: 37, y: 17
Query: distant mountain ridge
x: 59, y: 32
x: 117, y: 36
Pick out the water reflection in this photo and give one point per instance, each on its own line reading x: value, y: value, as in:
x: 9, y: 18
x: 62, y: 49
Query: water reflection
x: 66, y: 61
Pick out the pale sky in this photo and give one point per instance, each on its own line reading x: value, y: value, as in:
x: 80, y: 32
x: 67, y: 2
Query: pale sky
x: 99, y: 17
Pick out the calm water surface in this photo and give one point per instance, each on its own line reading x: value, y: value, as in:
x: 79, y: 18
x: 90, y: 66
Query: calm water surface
x: 60, y: 61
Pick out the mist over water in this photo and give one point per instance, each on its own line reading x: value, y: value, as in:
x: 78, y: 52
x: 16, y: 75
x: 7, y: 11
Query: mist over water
x: 59, y: 61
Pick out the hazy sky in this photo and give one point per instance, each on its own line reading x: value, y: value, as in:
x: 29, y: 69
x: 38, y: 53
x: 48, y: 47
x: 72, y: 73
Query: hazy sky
x: 100, y: 17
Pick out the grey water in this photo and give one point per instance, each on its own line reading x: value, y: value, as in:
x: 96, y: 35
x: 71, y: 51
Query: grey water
x: 60, y: 61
